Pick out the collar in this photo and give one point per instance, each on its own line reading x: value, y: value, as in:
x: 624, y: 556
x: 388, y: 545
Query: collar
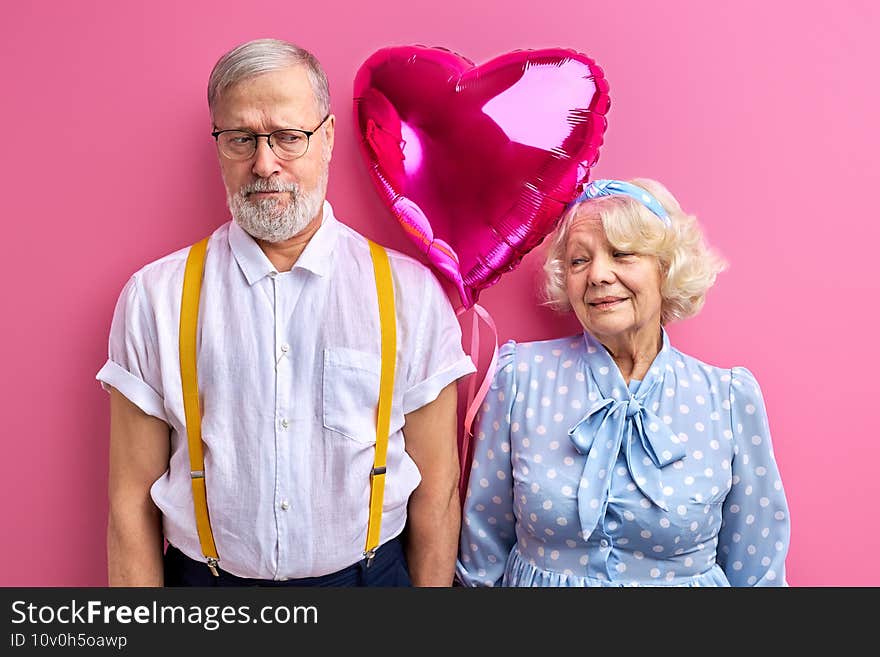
x: 316, y: 257
x: 606, y: 374
x: 621, y: 421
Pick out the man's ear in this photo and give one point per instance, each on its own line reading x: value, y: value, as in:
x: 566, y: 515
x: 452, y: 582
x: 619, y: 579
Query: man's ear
x: 330, y: 135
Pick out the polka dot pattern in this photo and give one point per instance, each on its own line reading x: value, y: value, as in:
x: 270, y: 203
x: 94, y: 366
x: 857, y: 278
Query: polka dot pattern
x: 716, y: 516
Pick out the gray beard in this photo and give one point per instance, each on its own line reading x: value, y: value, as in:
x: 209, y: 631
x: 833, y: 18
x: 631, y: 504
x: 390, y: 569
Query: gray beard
x: 270, y: 221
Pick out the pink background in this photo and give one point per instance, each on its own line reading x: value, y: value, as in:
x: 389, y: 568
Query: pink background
x: 760, y: 116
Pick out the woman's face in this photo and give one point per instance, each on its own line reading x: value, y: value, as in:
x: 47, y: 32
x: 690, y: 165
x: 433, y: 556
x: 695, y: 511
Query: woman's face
x: 615, y: 294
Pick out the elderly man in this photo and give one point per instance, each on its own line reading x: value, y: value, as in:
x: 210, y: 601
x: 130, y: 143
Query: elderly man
x: 243, y: 417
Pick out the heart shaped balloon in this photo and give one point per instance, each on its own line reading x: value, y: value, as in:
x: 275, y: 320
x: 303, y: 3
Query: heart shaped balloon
x: 477, y: 163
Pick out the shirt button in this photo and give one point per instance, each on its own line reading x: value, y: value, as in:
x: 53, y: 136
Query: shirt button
x: 285, y: 505
x: 284, y: 423
x: 603, y: 543
x: 285, y: 347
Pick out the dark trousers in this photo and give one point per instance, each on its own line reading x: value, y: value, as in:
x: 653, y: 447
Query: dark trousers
x: 388, y: 568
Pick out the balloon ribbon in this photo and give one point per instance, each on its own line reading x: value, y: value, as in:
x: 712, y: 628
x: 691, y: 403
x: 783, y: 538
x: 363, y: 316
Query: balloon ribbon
x: 475, y: 397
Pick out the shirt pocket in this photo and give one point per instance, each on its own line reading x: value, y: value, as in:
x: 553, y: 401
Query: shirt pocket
x: 351, y: 393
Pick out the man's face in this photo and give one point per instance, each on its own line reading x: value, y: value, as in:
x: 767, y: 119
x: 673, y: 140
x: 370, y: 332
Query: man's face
x: 271, y: 198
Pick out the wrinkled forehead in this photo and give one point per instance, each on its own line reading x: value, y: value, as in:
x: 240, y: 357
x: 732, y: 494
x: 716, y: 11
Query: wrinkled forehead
x: 284, y: 98
x: 586, y: 216
x: 584, y: 224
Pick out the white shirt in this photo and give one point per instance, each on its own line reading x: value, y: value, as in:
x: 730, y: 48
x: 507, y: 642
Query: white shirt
x: 288, y: 366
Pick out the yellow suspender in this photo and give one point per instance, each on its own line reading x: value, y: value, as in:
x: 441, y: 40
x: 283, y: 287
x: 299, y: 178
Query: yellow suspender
x: 189, y: 319
x: 388, y: 331
x: 189, y: 315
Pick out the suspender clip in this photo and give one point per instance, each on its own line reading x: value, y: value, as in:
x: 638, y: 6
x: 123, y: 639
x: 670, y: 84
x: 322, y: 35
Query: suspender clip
x: 368, y: 557
x: 380, y: 470
x: 212, y: 566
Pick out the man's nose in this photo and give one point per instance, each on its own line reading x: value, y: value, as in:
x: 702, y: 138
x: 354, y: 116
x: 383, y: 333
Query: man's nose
x: 266, y: 163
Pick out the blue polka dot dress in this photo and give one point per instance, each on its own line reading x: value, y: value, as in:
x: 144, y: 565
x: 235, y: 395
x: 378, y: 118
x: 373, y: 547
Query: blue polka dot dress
x: 580, y: 480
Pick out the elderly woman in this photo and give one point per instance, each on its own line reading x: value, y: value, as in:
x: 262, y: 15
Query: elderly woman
x: 611, y: 458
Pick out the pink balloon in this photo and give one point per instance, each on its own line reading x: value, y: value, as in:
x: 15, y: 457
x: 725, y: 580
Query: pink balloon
x: 477, y: 163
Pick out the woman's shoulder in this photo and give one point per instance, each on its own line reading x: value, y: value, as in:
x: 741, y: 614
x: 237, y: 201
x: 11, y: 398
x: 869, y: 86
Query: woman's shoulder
x: 725, y: 379
x: 544, y: 350
x: 530, y: 358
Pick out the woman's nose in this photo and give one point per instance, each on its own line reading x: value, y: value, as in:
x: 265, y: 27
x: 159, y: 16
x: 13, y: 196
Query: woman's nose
x: 601, y: 271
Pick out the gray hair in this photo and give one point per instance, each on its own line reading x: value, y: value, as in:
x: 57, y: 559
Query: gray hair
x: 264, y: 56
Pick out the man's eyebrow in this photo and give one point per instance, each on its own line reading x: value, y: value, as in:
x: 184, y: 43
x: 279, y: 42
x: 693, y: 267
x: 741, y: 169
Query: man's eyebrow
x: 274, y: 127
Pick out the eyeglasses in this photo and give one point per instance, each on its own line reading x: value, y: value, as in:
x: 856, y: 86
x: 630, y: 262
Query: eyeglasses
x: 288, y: 144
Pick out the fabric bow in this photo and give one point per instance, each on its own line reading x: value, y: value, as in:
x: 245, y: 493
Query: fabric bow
x: 600, y: 434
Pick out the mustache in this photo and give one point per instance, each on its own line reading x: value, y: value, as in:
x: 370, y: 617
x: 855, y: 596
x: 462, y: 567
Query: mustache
x: 263, y: 185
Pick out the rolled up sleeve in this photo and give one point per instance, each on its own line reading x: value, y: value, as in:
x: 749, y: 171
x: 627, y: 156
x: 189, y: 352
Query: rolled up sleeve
x: 132, y: 365
x: 437, y: 355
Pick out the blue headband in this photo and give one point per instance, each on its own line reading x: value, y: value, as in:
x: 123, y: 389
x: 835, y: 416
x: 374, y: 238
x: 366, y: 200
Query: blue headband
x: 599, y: 188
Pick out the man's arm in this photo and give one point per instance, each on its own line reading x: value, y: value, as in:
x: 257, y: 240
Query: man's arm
x: 434, y: 513
x: 139, y: 454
